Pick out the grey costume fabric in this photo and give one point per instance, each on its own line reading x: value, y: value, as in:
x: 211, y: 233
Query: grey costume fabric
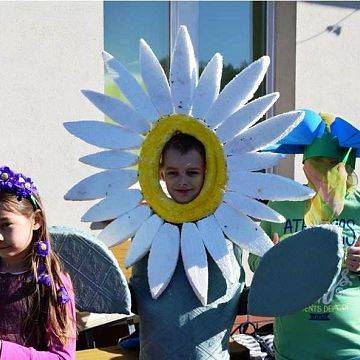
x: 284, y: 281
x: 176, y: 326
x: 100, y: 285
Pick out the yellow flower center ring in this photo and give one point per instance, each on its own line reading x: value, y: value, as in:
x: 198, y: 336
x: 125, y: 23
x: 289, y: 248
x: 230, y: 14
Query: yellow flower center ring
x: 212, y: 191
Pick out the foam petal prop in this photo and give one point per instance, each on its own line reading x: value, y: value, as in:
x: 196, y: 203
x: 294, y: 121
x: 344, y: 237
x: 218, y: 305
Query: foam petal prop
x: 118, y: 111
x: 237, y: 92
x: 183, y: 73
x: 113, y: 206
x: 100, y: 285
x: 130, y: 88
x: 245, y: 117
x: 99, y: 185
x: 125, y: 226
x: 195, y: 260
x: 252, y: 207
x: 143, y: 239
x: 110, y: 159
x: 163, y: 258
x: 242, y: 231
x: 215, y: 243
x: 268, y: 186
x: 208, y: 88
x: 260, y: 135
x: 104, y: 135
x: 279, y: 288
x: 155, y: 80
x: 253, y: 161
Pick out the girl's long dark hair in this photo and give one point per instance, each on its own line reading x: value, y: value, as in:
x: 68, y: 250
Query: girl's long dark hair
x: 45, y: 314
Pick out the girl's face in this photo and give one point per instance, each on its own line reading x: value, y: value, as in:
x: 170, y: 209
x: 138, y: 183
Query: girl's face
x: 16, y: 232
x: 183, y: 174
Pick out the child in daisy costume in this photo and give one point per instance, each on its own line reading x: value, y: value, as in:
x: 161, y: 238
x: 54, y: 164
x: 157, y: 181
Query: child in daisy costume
x: 330, y: 327
x: 186, y: 245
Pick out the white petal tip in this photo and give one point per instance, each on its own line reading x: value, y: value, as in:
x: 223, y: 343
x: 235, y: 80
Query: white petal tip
x: 143, y: 42
x: 156, y: 292
x: 106, y: 56
x: 203, y: 300
x: 183, y: 28
x: 129, y: 263
x: 266, y: 60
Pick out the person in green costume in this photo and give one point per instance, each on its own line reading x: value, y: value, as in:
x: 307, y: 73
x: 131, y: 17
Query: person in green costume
x: 329, y: 328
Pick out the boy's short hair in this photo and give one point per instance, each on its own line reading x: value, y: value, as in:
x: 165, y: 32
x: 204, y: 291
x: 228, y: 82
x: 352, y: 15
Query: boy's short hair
x: 184, y: 143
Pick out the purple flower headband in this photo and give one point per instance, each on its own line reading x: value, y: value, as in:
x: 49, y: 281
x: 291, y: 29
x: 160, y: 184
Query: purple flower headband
x: 18, y: 184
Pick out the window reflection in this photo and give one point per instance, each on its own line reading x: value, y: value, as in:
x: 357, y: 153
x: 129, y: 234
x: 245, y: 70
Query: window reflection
x: 227, y: 27
x: 125, y: 23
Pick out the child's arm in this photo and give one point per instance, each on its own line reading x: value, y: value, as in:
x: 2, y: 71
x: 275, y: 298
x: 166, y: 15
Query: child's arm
x: 11, y: 351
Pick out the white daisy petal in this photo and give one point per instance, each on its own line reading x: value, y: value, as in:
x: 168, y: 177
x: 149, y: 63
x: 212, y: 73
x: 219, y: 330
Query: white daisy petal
x: 163, y: 258
x: 237, y: 92
x: 264, y: 133
x: 130, y: 88
x: 252, y: 207
x: 104, y: 135
x: 215, y: 243
x: 195, y: 260
x: 245, y: 117
x: 267, y: 186
x: 208, y: 88
x: 155, y: 80
x: 183, y: 73
x: 253, y: 161
x: 113, y: 206
x: 110, y: 159
x: 118, y: 111
x: 125, y: 226
x: 143, y: 239
x: 101, y: 184
x: 242, y: 231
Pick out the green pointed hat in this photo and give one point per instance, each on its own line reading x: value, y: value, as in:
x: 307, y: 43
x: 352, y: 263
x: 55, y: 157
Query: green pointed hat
x: 327, y: 145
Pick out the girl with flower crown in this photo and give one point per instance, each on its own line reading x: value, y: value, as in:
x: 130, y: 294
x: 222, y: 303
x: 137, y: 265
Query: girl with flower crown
x: 37, y: 308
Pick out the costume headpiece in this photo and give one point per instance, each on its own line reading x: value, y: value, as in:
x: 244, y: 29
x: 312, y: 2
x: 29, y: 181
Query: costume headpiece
x: 18, y: 184
x: 224, y: 123
x: 324, y: 135
x: 321, y: 135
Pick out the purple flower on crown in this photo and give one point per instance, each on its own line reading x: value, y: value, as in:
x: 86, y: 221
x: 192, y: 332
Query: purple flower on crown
x: 24, y: 186
x: 6, y: 178
x: 43, y: 248
x: 16, y: 183
x: 62, y: 296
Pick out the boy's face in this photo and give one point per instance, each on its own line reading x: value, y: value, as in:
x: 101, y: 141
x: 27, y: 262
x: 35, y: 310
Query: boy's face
x: 183, y: 174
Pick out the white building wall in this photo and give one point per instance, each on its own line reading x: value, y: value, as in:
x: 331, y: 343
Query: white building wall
x: 48, y: 52
x: 328, y: 61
